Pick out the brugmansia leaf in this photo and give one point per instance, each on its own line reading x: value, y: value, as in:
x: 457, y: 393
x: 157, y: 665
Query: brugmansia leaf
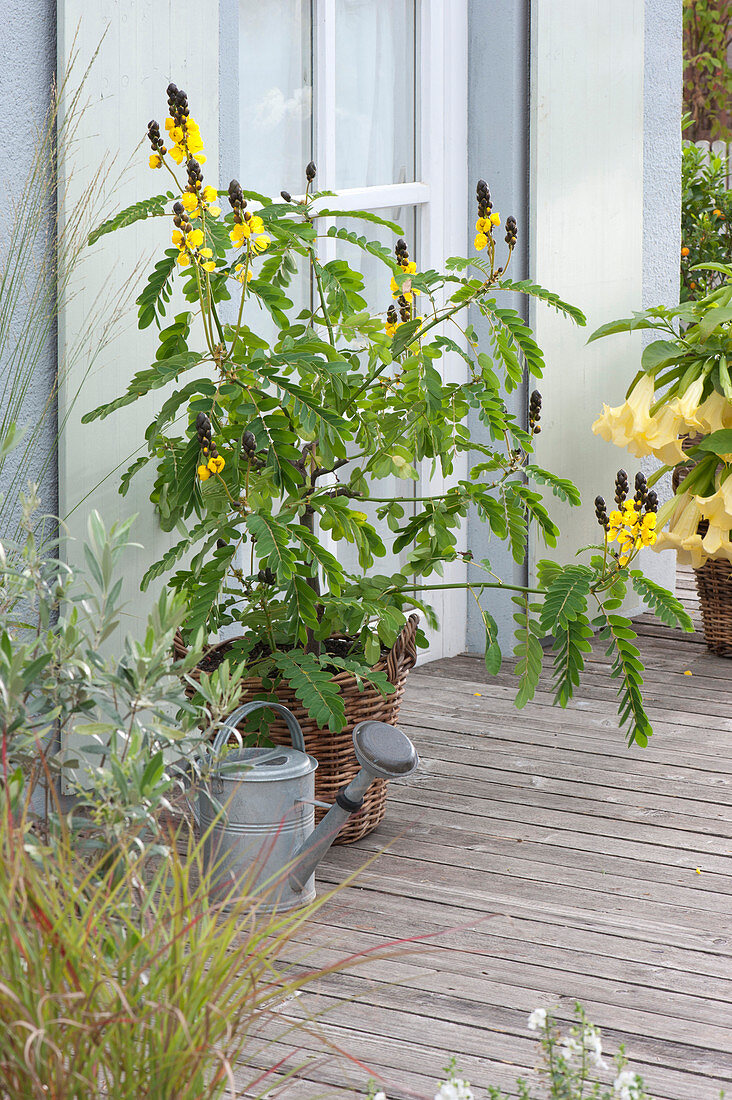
x: 314, y: 687
x: 626, y: 324
x: 137, y: 212
x: 719, y: 443
x: 528, y: 651
x: 661, y: 602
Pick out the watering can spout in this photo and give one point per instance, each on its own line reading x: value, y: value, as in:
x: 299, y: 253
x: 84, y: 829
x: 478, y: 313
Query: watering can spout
x: 383, y: 752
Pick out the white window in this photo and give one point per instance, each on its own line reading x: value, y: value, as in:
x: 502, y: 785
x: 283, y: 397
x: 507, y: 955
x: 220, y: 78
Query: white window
x: 375, y: 92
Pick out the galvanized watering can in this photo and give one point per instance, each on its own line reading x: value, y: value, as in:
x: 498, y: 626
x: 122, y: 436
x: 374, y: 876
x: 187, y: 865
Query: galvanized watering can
x: 257, y: 812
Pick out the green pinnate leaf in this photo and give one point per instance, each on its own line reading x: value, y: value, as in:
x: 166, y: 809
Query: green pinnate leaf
x: 146, y: 208
x: 566, y: 597
x: 314, y: 687
x: 662, y: 603
x: 527, y: 651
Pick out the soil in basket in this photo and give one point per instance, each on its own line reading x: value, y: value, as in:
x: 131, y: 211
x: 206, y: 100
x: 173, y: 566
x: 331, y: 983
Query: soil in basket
x: 338, y: 647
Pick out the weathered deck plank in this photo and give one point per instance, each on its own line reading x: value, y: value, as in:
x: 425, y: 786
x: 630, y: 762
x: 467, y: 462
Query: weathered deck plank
x: 547, y: 862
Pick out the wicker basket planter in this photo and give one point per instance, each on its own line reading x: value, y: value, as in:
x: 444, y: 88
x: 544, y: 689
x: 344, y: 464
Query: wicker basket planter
x: 713, y: 585
x: 337, y: 763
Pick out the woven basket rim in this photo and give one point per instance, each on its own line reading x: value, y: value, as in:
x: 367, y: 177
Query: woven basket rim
x: 404, y: 641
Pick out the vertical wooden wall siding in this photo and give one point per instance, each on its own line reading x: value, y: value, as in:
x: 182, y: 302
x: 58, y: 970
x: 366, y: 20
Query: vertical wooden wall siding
x: 143, y: 45
x: 587, y: 231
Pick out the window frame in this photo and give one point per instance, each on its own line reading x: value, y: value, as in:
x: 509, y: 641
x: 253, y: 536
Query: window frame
x: 439, y: 196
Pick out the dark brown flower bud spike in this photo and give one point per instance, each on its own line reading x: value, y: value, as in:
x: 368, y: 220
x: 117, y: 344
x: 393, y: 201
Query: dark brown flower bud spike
x: 621, y: 487
x: 601, y: 512
x: 534, y: 412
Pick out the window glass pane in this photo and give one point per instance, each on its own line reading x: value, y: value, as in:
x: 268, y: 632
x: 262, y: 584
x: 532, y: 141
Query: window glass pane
x: 377, y: 279
x: 376, y: 275
x: 275, y: 77
x: 375, y: 102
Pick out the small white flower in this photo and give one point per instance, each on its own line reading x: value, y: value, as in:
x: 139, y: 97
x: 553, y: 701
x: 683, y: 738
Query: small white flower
x: 572, y: 1048
x: 380, y: 1095
x: 593, y: 1046
x: 625, y: 1085
x: 537, y: 1020
x: 454, y: 1089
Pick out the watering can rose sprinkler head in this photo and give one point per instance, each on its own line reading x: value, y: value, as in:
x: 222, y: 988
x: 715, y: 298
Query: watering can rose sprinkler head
x: 258, y: 809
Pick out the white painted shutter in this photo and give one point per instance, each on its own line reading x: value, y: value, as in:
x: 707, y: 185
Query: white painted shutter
x: 143, y: 47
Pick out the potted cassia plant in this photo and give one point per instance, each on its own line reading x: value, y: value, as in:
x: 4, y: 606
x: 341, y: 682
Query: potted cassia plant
x: 289, y: 413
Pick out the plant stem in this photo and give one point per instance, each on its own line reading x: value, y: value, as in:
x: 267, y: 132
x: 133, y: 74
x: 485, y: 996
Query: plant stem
x: 321, y: 295
x: 466, y: 584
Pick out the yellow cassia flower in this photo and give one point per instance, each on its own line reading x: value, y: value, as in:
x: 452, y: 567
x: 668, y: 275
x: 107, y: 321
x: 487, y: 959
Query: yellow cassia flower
x: 261, y: 243
x: 216, y: 464
x: 178, y: 238
x: 178, y: 154
x: 209, y: 193
x: 204, y: 473
x: 169, y: 124
x: 156, y: 161
x: 189, y: 201
x: 183, y: 259
x: 209, y: 265
x: 480, y: 242
x: 239, y: 269
x: 239, y: 234
x: 482, y: 224
x: 194, y: 238
x: 495, y: 219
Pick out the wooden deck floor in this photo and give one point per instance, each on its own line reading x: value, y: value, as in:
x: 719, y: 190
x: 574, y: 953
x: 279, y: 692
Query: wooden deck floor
x: 551, y: 863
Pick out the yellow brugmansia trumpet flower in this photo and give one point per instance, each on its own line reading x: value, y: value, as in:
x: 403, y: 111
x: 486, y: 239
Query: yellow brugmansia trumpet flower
x: 715, y: 413
x: 716, y: 542
x: 682, y: 534
x: 688, y: 404
x: 629, y: 420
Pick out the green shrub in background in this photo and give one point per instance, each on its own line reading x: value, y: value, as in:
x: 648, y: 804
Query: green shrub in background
x: 707, y: 74
x: 706, y: 221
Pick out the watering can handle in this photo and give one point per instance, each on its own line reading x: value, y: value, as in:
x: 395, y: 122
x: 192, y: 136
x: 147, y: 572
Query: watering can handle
x: 230, y: 724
